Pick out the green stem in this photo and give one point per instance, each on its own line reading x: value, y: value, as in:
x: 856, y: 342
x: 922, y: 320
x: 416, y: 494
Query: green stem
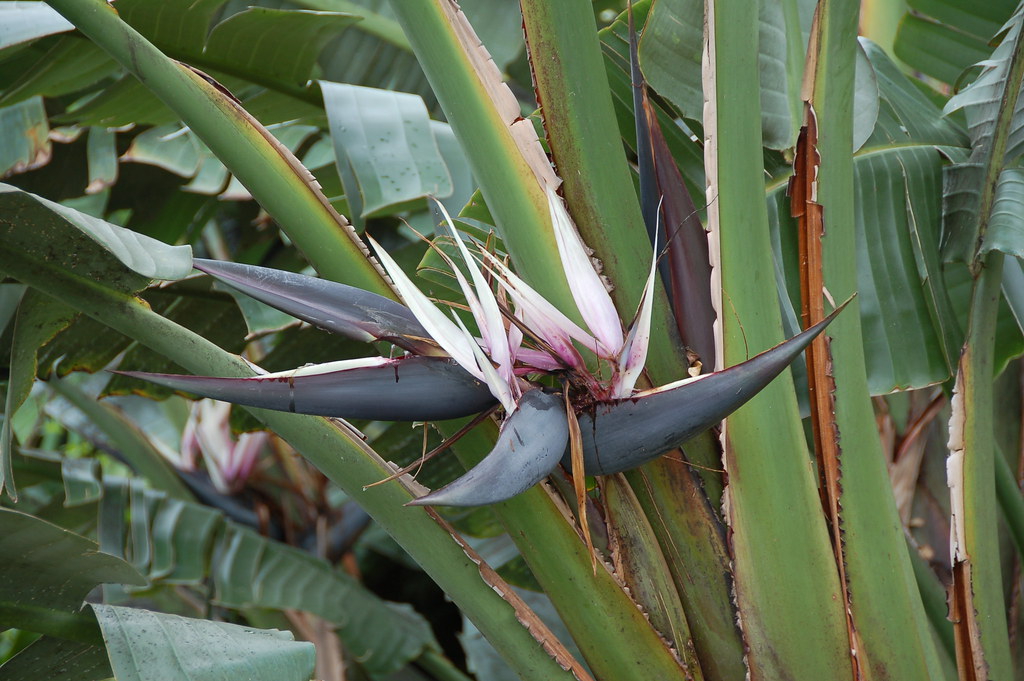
x: 980, y: 515
x: 892, y: 633
x: 785, y: 571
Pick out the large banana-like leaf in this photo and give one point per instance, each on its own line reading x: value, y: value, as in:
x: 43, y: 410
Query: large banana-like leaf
x: 180, y: 151
x: 906, y: 114
x: 244, y: 146
x: 1006, y: 223
x: 48, y: 573
x: 186, y: 543
x: 121, y: 248
x: 37, y: 320
x: 26, y: 21
x: 57, y: 660
x: 911, y: 334
x: 155, y: 646
x: 942, y: 38
x: 384, y: 147
x: 52, y: 569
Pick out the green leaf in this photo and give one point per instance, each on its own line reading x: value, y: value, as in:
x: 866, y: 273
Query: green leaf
x: 180, y: 542
x: 905, y: 113
x: 174, y: 24
x: 126, y: 439
x: 274, y: 47
x: 375, y: 54
x: 102, y: 155
x: 178, y: 150
x: 670, y: 54
x: 80, y: 481
x: 100, y: 247
x: 150, y: 646
x: 84, y: 346
x: 271, y: 173
x: 1013, y: 289
x: 937, y: 50
x: 383, y: 636
x: 499, y: 25
x: 386, y: 138
x: 172, y: 148
x: 25, y: 130
x: 21, y: 22
x: 982, y: 19
x: 1009, y: 340
x: 942, y: 38
x: 52, y: 569
x: 55, y: 659
x: 1006, y: 221
x: 73, y: 64
x: 39, y: 318
x: 961, y: 200
x: 124, y: 103
x: 376, y: 19
x: 981, y: 99
x: 865, y: 99
x: 279, y: 45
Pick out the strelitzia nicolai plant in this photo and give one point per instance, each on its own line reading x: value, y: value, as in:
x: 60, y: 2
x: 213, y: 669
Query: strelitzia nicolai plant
x: 777, y: 566
x: 450, y: 373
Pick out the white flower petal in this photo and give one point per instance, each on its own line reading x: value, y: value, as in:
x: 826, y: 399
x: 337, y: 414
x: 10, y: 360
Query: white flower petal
x: 448, y: 335
x: 541, y: 317
x: 592, y: 299
x: 499, y: 387
x: 483, y: 304
x: 328, y: 367
x: 634, y: 350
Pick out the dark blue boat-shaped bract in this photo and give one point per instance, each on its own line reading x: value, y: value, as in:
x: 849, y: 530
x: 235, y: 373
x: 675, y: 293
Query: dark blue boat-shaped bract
x: 627, y: 433
x: 529, y: 446
x: 345, y: 310
x: 405, y: 389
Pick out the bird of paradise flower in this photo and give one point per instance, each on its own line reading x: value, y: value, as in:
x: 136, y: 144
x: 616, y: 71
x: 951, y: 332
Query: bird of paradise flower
x: 448, y: 372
